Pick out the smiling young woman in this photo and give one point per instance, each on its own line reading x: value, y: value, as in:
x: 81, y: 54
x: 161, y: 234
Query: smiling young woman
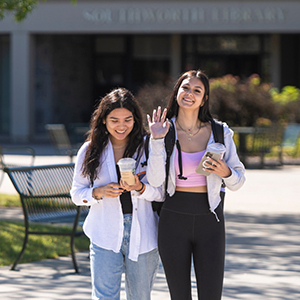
x: 121, y: 224
x: 191, y: 225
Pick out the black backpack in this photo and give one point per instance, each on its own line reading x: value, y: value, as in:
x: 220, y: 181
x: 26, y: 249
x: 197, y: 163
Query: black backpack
x: 218, y: 132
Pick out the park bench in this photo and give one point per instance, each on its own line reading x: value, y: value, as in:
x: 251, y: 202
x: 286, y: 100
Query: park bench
x: 45, y: 196
x: 258, y: 142
x: 60, y: 140
x: 78, y: 133
x: 266, y: 140
x: 27, y: 151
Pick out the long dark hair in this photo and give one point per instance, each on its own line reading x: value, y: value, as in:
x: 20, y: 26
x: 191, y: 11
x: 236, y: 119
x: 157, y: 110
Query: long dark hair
x: 98, y: 135
x: 204, y: 113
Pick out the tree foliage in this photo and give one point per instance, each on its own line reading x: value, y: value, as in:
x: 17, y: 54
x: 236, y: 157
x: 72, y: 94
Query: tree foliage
x: 19, y: 8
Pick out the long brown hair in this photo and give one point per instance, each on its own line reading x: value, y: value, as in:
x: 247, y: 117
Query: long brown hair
x: 204, y: 113
x: 98, y: 135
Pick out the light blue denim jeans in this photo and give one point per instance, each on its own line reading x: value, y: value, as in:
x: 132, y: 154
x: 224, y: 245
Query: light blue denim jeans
x: 107, y: 267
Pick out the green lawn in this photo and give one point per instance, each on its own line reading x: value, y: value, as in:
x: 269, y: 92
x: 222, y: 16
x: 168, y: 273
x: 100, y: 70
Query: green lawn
x: 10, y: 200
x: 38, y: 247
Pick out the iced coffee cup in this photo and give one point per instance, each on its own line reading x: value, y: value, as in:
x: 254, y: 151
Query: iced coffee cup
x: 216, y: 148
x: 127, y: 170
x: 214, y: 151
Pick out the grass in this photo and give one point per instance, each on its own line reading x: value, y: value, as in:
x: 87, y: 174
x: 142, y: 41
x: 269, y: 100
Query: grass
x: 39, y: 247
x: 10, y: 200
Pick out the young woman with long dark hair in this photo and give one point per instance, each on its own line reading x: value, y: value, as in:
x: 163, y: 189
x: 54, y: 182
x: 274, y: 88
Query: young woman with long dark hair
x: 191, y: 225
x: 121, y: 224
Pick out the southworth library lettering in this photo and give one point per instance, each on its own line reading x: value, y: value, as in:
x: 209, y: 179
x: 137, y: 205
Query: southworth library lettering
x: 185, y: 15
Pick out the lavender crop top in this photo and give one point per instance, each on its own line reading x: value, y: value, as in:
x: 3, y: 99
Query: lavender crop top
x: 190, y: 162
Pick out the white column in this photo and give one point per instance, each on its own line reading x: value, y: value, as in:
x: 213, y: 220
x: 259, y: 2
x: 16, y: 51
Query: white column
x: 20, y: 86
x: 175, y: 56
x: 275, y: 60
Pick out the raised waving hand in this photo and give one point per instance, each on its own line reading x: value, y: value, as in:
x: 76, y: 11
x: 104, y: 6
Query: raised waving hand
x: 158, y: 125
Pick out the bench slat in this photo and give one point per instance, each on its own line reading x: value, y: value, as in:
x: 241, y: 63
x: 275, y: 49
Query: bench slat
x: 45, y: 196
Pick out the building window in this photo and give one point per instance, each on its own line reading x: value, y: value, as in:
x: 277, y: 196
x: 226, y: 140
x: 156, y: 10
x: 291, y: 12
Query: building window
x: 109, y: 52
x: 151, y: 59
x: 130, y: 61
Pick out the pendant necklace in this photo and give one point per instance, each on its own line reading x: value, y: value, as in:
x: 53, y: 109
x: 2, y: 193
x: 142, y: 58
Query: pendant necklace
x: 189, y: 133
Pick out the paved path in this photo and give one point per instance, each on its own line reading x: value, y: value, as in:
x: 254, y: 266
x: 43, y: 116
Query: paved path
x: 263, y: 247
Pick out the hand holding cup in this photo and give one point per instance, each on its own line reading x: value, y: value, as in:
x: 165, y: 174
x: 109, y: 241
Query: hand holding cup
x: 127, y: 170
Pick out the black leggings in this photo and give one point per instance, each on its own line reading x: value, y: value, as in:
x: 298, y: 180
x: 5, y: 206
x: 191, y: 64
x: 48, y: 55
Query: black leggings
x: 187, y: 229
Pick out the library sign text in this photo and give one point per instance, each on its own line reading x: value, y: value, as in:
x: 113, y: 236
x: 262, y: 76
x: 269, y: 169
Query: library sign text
x: 184, y: 15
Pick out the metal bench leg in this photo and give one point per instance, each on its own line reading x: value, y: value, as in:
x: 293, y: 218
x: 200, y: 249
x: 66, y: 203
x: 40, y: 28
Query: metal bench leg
x: 262, y: 160
x: 280, y: 157
x: 13, y: 268
x: 73, y: 254
x: 73, y: 235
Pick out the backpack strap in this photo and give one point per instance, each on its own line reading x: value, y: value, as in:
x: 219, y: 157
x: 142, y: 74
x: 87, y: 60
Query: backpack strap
x: 180, y: 176
x: 218, y: 131
x: 169, y: 145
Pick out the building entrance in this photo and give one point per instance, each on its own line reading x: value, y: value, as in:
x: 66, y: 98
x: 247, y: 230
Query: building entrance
x: 73, y: 71
x: 218, y: 55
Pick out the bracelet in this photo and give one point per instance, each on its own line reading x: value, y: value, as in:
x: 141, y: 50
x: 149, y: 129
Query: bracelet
x: 141, y: 187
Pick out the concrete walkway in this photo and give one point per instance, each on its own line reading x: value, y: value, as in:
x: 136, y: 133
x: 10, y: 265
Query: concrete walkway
x: 262, y: 256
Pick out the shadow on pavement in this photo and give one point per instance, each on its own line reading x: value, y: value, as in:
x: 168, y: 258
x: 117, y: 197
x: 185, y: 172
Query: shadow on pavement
x: 262, y: 262
x: 263, y: 257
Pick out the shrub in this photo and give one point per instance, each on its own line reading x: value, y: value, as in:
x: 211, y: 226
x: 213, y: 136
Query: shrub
x: 289, y: 102
x: 242, y: 103
x: 291, y: 112
x: 151, y: 96
x: 238, y: 102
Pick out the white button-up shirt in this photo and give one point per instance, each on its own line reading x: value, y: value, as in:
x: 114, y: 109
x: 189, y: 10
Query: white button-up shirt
x: 104, y: 223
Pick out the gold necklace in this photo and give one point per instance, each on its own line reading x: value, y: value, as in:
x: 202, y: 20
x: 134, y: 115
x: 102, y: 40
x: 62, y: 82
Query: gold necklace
x: 189, y: 134
x: 119, y: 148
